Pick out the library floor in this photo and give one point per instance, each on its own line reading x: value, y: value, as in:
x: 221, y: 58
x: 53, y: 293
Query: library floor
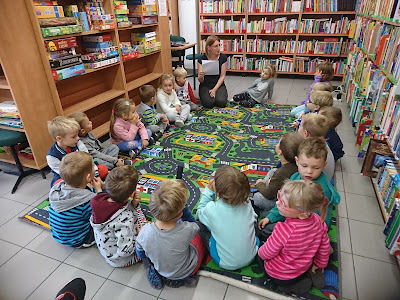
x: 34, y: 266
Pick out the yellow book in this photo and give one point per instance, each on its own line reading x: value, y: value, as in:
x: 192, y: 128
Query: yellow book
x: 352, y: 30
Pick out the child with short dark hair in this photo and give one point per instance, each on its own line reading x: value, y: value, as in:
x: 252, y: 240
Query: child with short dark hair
x: 70, y: 211
x: 156, y: 122
x: 170, y: 248
x: 116, y: 221
x: 107, y: 156
x: 299, y: 246
x: 323, y: 73
x: 228, y: 219
x: 334, y: 116
x: 183, y: 89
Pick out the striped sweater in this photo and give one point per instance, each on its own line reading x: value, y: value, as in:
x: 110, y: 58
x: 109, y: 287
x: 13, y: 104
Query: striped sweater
x: 294, y: 245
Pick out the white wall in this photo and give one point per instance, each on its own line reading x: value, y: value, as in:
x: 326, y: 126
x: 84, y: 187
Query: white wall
x: 188, y: 28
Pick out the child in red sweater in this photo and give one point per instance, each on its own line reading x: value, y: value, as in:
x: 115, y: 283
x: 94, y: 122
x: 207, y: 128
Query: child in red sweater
x: 183, y: 89
x: 297, y: 252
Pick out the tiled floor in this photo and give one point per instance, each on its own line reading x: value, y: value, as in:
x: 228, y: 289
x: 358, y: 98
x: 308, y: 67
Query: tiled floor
x: 34, y: 266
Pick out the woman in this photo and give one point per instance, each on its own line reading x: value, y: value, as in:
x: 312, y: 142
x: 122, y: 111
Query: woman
x: 212, y: 87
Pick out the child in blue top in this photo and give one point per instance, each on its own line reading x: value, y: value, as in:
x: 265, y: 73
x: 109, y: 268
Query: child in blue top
x: 229, y: 219
x: 323, y: 73
x: 334, y: 116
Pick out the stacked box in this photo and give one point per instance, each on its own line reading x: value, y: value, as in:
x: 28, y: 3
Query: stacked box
x: 45, y: 3
x: 99, y: 51
x: 96, y: 16
x: 71, y: 11
x: 141, y: 12
x: 121, y: 13
x: 128, y: 50
x: 61, y: 30
x: 43, y: 12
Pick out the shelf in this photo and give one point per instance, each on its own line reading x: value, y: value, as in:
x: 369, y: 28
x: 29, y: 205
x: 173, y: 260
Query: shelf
x: 324, y: 55
x: 381, y: 19
x: 323, y: 34
x: 142, y: 55
x: 88, y: 71
x: 279, y: 72
x: 221, y: 15
x: 378, y: 196
x: 137, y: 26
x: 348, y: 12
x: 219, y: 33
x: 76, y: 34
x: 93, y: 101
x: 254, y: 33
x: 270, y: 53
x: 12, y: 128
x: 282, y: 13
x: 101, y: 130
x: 26, y: 162
x: 232, y: 52
x: 142, y: 80
x: 4, y: 84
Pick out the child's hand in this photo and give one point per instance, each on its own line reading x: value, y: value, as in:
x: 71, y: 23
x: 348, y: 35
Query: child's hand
x: 315, y: 268
x: 136, y: 199
x: 138, y: 227
x: 211, y: 185
x: 98, y: 184
x: 178, y: 108
x: 300, y: 115
x: 318, y: 72
x: 135, y: 119
x: 260, y: 181
x: 164, y: 119
x: 262, y: 223
x: 120, y: 162
x: 145, y: 143
x: 198, y: 108
x: 200, y: 76
x: 212, y: 93
x: 294, y: 125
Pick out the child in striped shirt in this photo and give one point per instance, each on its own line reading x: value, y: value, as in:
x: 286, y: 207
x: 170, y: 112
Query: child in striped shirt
x: 297, y: 252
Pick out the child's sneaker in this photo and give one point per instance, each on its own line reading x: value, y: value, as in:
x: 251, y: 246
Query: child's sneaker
x: 128, y: 162
x: 179, y: 123
x: 151, y: 141
x: 157, y: 135
x: 133, y: 153
x: 190, y: 116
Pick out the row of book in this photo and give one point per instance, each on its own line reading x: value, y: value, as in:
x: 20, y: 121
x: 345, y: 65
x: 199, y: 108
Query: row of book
x: 267, y: 46
x: 282, y: 64
x: 221, y: 6
x: 9, y: 115
x: 326, y: 26
x: 307, y: 65
x: 234, y: 45
x: 380, y: 8
x: 260, y: 6
x: 223, y: 26
x: 328, y: 5
x: 279, y: 25
x: 327, y: 46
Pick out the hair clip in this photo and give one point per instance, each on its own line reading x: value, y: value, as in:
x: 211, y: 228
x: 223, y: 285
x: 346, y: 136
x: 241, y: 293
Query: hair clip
x: 127, y: 102
x: 113, y: 111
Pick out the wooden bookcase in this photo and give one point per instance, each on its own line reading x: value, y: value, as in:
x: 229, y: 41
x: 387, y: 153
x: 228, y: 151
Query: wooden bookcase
x: 251, y: 16
x: 28, y: 78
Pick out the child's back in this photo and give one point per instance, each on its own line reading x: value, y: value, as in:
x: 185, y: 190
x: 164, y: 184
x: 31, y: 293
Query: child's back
x: 334, y: 116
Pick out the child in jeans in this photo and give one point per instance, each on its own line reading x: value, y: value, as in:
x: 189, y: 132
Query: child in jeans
x: 116, y: 221
x: 183, y: 89
x: 107, y: 156
x: 228, y: 219
x: 70, y: 211
x: 126, y: 129
x: 156, y: 122
x: 171, y: 249
x: 168, y: 102
x: 297, y: 252
x: 334, y: 116
x: 259, y: 89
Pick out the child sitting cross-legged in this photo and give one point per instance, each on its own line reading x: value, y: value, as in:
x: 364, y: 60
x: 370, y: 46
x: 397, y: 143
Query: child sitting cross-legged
x: 183, y: 89
x: 311, y: 160
x: 297, y: 252
x: 228, y: 219
x: 116, y: 221
x: 70, y: 211
x: 334, y: 116
x: 170, y: 247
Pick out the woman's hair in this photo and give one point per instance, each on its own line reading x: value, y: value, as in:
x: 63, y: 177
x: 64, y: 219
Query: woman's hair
x: 271, y: 70
x: 121, y: 183
x: 121, y: 106
x: 168, y: 200
x: 231, y: 185
x: 289, y: 145
x: 166, y: 77
x: 211, y: 40
x: 327, y: 70
x: 306, y: 196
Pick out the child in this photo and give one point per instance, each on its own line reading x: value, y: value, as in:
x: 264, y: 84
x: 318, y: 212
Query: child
x: 310, y: 162
x: 116, y: 221
x: 323, y: 73
x: 107, y: 156
x: 157, y: 123
x: 301, y: 242
x: 229, y: 219
x: 70, y: 211
x: 64, y: 132
x: 316, y: 99
x: 287, y: 150
x: 168, y: 102
x: 126, y: 129
x: 183, y: 89
x: 173, y: 247
x: 334, y: 116
x: 260, y: 88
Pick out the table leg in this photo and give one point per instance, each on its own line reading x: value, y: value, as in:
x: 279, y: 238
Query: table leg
x: 194, y: 67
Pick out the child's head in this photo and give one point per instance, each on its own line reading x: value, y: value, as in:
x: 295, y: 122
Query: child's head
x: 180, y: 75
x: 322, y: 86
x: 231, y: 185
x: 333, y: 114
x: 268, y: 72
x: 311, y: 158
x: 123, y: 108
x: 168, y: 200
x: 147, y: 94
x: 289, y: 145
x: 313, y: 125
x: 167, y: 83
x: 84, y: 123
x: 326, y: 70
x: 319, y: 99
x: 77, y: 169
x: 64, y: 131
x: 299, y: 198
x: 121, y: 183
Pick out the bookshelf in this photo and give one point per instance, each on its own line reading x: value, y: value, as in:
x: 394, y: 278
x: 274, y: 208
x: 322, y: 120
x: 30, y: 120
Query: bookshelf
x: 238, y: 24
x: 29, y: 82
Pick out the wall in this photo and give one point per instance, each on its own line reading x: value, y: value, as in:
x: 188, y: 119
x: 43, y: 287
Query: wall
x: 188, y: 24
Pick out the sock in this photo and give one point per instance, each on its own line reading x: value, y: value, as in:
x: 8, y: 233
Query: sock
x: 155, y: 279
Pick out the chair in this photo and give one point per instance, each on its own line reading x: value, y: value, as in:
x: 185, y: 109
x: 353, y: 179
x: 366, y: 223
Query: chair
x: 11, y: 138
x: 177, y: 53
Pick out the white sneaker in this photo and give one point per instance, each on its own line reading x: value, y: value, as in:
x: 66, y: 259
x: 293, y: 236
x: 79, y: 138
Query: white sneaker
x: 190, y: 116
x: 179, y: 123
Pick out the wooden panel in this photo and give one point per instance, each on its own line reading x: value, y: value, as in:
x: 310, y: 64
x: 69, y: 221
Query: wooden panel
x: 5, y: 95
x: 163, y: 36
x: 134, y: 94
x: 26, y: 162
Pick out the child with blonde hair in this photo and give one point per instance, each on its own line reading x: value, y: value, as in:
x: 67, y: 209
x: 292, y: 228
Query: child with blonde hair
x: 299, y: 246
x: 183, y: 89
x: 260, y: 88
x: 323, y: 73
x: 170, y: 247
x: 317, y: 100
x: 116, y: 221
x: 126, y: 129
x: 334, y: 116
x: 168, y: 102
x: 228, y: 219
